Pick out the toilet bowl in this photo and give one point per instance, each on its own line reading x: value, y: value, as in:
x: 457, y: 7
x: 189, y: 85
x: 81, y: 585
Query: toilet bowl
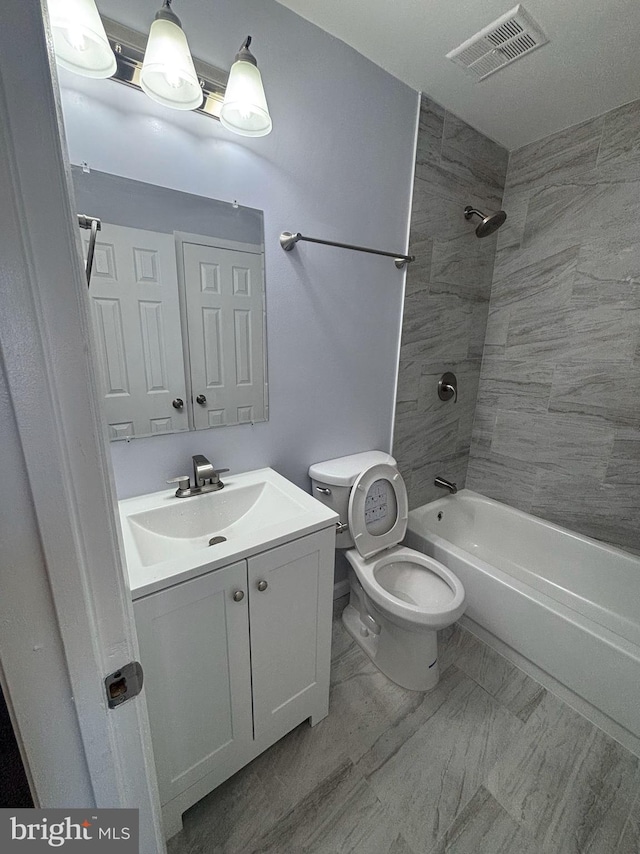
x: 399, y: 598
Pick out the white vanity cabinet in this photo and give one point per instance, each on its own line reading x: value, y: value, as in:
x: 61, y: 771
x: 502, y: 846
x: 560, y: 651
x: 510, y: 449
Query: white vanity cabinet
x: 233, y: 660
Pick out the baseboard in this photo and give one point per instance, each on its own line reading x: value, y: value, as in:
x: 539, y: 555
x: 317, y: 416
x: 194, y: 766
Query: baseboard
x: 341, y: 588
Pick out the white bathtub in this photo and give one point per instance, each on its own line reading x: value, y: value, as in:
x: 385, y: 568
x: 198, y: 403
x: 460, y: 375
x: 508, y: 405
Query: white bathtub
x: 563, y: 603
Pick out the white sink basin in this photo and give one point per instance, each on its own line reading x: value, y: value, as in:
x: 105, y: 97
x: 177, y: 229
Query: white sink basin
x: 167, y: 539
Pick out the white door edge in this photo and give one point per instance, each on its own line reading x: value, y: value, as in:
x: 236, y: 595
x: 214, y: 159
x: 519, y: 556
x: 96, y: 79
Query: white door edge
x: 44, y: 340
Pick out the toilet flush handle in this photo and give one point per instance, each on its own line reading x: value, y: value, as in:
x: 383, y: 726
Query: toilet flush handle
x: 341, y: 527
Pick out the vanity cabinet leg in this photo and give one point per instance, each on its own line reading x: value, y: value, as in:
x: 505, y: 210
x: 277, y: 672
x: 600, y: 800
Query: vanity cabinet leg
x: 171, y: 819
x: 320, y: 714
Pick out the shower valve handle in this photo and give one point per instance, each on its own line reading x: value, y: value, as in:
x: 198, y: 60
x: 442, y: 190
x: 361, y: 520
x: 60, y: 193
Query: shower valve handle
x: 448, y: 387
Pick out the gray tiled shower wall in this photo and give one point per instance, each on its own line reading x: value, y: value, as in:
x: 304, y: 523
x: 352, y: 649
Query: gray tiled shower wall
x: 557, y: 420
x: 447, y: 298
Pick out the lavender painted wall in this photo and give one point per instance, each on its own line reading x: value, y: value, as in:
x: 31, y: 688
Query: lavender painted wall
x: 557, y: 424
x: 338, y: 164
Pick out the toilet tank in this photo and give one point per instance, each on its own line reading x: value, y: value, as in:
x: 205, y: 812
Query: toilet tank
x: 331, y: 483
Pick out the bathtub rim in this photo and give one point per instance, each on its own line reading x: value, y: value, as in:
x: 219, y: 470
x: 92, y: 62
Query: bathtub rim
x: 523, y: 514
x: 616, y: 625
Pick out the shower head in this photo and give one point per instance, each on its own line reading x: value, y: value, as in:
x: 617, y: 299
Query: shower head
x: 490, y: 222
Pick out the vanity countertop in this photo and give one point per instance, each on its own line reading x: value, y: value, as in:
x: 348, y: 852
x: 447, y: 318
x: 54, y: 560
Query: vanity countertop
x: 166, y: 539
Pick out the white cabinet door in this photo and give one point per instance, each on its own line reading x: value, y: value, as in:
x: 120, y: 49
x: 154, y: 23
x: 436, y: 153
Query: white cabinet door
x: 291, y: 633
x: 194, y: 649
x: 136, y: 317
x: 225, y: 316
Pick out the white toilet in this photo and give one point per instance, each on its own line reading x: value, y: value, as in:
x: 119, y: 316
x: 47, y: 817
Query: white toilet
x: 399, y: 598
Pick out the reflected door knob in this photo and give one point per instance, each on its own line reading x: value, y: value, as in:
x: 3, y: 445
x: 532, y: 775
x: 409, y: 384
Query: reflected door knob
x: 178, y: 403
x: 262, y: 585
x: 201, y: 399
x: 238, y: 596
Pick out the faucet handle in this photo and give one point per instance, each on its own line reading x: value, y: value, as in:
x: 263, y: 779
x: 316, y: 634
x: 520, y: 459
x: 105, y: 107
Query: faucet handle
x: 220, y: 471
x: 183, y: 482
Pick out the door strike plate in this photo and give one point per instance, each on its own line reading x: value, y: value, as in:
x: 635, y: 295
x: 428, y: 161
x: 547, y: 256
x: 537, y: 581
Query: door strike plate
x: 123, y: 684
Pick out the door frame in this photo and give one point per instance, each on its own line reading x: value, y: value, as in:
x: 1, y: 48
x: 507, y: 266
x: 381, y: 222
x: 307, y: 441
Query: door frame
x: 84, y: 613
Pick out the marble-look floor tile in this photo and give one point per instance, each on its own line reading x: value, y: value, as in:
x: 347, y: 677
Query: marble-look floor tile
x: 298, y: 763
x: 425, y: 779
x: 509, y: 685
x: 630, y: 839
x: 364, y: 703
x: 339, y: 605
x: 566, y: 782
x: 484, y: 827
x: 341, y: 816
x: 229, y: 820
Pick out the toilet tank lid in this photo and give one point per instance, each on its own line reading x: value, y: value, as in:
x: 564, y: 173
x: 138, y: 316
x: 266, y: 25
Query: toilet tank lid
x: 344, y: 471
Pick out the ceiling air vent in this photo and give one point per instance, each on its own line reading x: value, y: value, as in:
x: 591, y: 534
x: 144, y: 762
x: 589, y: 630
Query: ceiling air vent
x: 513, y: 35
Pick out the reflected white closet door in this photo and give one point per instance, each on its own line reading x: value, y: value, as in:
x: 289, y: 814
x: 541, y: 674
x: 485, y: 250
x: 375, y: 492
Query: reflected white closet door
x: 225, y: 317
x: 136, y: 317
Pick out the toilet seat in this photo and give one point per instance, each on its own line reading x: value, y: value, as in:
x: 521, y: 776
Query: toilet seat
x: 411, y: 588
x: 425, y: 609
x: 367, y: 542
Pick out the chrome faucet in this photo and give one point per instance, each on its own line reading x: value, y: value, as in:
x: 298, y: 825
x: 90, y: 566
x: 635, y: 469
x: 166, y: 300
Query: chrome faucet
x: 205, y: 478
x: 446, y: 484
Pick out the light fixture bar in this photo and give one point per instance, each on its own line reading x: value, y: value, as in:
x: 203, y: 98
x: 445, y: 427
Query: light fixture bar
x: 129, y: 47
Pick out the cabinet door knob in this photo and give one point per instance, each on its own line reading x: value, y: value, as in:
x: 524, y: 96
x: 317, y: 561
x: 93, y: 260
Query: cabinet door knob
x: 238, y: 596
x: 262, y: 585
x: 201, y: 399
x: 178, y: 403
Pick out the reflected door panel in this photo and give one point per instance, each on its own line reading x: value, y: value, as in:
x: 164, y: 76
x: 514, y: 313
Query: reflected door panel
x: 224, y: 292
x: 136, y: 318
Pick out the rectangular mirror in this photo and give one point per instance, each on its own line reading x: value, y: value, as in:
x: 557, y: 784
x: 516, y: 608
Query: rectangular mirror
x: 178, y: 307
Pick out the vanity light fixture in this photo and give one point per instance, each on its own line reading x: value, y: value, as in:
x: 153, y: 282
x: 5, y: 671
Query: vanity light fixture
x: 168, y: 75
x: 162, y: 65
x: 245, y: 109
x: 79, y: 38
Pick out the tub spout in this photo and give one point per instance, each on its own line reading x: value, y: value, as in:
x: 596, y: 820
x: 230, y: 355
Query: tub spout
x: 446, y: 484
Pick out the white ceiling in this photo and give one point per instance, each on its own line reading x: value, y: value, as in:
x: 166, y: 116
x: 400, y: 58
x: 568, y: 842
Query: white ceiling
x: 591, y: 65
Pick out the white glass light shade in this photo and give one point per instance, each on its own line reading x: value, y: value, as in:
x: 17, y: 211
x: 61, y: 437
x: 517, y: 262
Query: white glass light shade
x: 79, y: 40
x: 167, y: 74
x: 245, y: 110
